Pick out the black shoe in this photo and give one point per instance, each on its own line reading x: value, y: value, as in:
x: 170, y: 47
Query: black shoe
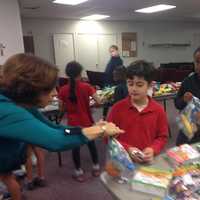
x: 39, y: 182
x: 30, y: 186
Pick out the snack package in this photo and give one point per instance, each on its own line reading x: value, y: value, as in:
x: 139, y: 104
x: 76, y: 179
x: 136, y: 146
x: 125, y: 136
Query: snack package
x: 187, y: 120
x: 107, y: 93
x: 151, y: 180
x: 186, y: 182
x: 182, y: 154
x: 120, y: 160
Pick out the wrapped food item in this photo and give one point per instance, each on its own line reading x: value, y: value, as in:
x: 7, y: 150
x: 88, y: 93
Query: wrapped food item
x: 182, y: 154
x: 165, y: 88
x: 151, y: 180
x: 187, y: 120
x: 107, y: 93
x: 186, y: 182
x: 120, y: 160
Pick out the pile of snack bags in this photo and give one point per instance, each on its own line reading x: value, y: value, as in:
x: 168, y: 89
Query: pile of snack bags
x: 165, y: 88
x: 107, y: 93
x: 179, y: 183
x: 187, y: 120
x: 119, y: 159
x: 185, y: 184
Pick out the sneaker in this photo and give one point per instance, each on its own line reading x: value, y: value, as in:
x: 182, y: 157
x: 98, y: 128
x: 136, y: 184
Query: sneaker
x: 96, y: 171
x: 30, y: 185
x: 79, y: 176
x: 39, y: 182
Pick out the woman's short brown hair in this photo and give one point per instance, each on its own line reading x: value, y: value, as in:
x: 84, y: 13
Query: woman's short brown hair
x: 26, y: 77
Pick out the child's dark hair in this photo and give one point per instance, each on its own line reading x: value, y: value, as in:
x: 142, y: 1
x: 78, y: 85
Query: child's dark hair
x: 114, y: 47
x: 141, y: 68
x: 196, y: 51
x: 73, y: 70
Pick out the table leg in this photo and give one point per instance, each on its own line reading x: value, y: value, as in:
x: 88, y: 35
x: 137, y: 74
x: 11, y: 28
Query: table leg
x: 165, y: 108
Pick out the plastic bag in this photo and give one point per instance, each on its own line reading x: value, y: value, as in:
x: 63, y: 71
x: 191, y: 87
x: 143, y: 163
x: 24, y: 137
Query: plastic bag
x: 187, y: 120
x: 120, y: 160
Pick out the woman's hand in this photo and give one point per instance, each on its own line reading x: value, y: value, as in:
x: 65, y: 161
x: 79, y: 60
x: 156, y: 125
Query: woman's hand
x: 111, y: 129
x: 103, y: 128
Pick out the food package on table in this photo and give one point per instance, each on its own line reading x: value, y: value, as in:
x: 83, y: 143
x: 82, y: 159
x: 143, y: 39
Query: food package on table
x: 187, y: 120
x: 107, y: 93
x: 182, y: 154
x: 185, y: 184
x: 120, y: 160
x: 151, y: 180
x: 162, y: 89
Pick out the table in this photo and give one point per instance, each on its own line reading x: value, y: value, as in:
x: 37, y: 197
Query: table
x: 52, y: 113
x: 164, y: 98
x: 124, y: 192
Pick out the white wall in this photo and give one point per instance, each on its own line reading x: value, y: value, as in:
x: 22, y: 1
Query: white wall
x: 43, y: 29
x: 11, y: 30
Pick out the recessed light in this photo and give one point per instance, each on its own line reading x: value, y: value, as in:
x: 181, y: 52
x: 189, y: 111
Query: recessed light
x: 69, y: 2
x: 156, y: 8
x: 95, y: 17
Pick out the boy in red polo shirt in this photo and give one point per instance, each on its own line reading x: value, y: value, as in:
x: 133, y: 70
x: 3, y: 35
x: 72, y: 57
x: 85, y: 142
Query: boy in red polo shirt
x: 143, y: 119
x: 74, y: 100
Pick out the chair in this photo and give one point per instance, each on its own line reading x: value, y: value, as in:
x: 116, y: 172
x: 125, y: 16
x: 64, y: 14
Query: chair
x: 96, y: 78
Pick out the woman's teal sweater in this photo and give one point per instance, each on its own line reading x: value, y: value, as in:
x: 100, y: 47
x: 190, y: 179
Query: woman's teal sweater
x: 19, y: 126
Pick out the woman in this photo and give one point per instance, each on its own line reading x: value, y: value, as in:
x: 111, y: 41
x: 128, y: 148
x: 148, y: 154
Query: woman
x: 28, y: 83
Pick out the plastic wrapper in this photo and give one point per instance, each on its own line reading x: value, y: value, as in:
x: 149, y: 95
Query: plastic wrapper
x: 186, y: 182
x: 107, y: 93
x: 119, y: 159
x: 187, y: 120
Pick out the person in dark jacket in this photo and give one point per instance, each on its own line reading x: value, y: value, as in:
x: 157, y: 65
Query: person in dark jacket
x: 29, y: 83
x: 121, y: 90
x: 114, y: 61
x: 189, y: 87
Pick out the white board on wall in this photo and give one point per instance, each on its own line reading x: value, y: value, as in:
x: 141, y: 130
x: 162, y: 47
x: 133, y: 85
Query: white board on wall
x: 92, y: 50
x: 64, y: 51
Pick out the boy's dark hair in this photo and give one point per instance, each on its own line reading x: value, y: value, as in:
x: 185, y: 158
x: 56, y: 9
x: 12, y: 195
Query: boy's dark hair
x: 114, y: 47
x: 141, y: 68
x: 27, y: 77
x: 73, y: 70
x: 196, y: 51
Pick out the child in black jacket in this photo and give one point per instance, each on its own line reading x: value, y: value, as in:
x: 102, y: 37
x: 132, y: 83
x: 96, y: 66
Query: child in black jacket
x: 189, y: 87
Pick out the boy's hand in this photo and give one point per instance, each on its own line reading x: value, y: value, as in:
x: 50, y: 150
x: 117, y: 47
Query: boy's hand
x: 135, y: 155
x: 148, y: 154
x: 187, y: 97
x: 198, y: 117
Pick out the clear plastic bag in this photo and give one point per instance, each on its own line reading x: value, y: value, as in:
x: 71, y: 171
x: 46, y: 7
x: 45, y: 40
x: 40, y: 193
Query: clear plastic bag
x: 187, y: 120
x: 120, y: 164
